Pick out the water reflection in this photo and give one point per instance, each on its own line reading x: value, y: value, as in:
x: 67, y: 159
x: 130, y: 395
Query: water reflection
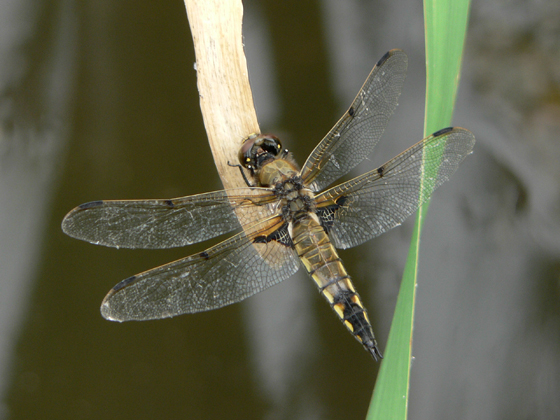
x: 486, y: 342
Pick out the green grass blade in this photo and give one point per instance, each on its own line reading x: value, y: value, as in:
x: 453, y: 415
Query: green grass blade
x: 445, y: 25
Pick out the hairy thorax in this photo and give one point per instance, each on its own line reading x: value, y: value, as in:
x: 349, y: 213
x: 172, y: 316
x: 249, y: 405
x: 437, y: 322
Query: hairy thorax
x: 295, y: 201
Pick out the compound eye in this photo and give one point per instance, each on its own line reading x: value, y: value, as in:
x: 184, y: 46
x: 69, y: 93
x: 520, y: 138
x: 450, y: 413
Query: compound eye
x: 258, y: 149
x: 245, y: 154
x: 272, y: 145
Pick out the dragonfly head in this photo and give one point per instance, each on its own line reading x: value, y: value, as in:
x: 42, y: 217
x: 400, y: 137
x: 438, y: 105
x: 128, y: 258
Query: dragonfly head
x: 259, y: 149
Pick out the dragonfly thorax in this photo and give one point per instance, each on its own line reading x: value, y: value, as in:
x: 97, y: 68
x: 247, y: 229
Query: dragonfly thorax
x: 276, y: 172
x: 296, y: 201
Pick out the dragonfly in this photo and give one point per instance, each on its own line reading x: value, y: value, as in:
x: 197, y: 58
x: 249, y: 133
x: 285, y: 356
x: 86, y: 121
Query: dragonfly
x: 288, y: 217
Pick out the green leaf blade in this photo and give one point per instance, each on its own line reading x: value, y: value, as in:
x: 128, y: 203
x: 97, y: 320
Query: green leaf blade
x: 445, y: 27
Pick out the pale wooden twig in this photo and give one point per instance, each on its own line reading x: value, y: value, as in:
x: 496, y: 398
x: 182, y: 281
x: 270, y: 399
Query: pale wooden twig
x: 226, y: 100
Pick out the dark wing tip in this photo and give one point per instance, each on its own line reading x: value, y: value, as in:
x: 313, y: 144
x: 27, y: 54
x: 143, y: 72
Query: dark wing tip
x: 443, y: 131
x: 90, y: 205
x: 389, y: 54
x: 466, y: 136
x: 69, y: 220
x: 106, y: 311
x: 384, y: 58
x: 123, y: 284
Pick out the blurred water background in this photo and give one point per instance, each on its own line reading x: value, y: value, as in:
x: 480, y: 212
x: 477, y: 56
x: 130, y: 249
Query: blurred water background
x: 98, y: 100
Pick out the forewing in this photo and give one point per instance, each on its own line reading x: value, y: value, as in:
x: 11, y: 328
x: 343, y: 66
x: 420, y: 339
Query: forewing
x: 167, y: 223
x: 355, y: 135
x: 233, y: 270
x: 373, y: 203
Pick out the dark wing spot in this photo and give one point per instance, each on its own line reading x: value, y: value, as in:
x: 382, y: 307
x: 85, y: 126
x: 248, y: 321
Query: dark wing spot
x: 280, y: 235
x: 341, y: 201
x: 91, y: 205
x: 327, y: 214
x: 169, y: 203
x: 351, y: 111
x: 442, y: 131
x: 381, y: 171
x: 204, y: 255
x: 124, y: 283
x: 383, y: 59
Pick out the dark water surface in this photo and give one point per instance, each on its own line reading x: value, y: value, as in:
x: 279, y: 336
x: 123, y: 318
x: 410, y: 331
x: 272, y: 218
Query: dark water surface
x: 103, y: 104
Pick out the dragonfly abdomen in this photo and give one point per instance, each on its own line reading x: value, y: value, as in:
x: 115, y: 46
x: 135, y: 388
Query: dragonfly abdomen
x: 322, y: 262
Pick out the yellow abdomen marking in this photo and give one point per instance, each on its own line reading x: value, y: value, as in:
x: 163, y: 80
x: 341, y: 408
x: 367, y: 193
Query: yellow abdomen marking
x: 322, y: 262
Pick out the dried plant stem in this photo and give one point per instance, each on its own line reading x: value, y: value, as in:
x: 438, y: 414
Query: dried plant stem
x: 226, y: 100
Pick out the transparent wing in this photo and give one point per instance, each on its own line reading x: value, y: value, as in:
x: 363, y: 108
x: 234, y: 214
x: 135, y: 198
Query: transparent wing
x: 355, y: 135
x: 233, y: 270
x: 167, y: 223
x: 377, y: 201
